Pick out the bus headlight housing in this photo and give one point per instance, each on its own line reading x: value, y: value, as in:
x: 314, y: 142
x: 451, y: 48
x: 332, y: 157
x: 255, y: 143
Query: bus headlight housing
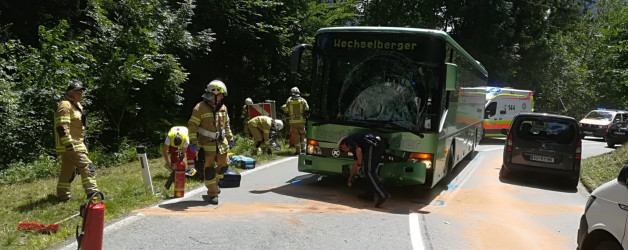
x: 422, y: 158
x: 313, y: 148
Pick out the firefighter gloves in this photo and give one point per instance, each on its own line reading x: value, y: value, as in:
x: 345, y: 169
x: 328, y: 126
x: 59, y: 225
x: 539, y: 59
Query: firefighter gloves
x: 193, y: 148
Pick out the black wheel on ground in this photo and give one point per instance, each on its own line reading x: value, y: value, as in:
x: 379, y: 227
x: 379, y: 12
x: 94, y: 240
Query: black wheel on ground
x: 573, y: 183
x: 450, y: 161
x: 610, y: 144
x: 503, y: 173
x: 608, y: 245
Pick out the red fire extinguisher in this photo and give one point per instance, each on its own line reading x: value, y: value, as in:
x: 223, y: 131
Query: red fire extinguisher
x: 179, y: 179
x: 291, y: 140
x: 93, y: 213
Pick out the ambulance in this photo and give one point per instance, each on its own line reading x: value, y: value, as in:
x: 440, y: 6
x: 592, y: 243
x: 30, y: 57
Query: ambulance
x: 502, y: 104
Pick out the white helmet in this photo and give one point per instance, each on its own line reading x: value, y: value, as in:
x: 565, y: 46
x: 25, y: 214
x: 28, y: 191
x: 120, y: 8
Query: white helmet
x: 278, y: 124
x: 215, y: 87
x: 248, y: 101
x: 295, y: 91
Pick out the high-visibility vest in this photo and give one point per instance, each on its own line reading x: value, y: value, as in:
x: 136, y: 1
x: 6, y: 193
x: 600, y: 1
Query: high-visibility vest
x: 296, y: 107
x: 180, y: 130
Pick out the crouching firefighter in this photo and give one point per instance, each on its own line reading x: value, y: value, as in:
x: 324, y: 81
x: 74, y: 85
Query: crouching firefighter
x: 209, y: 129
x: 260, y: 127
x: 69, y: 122
x: 178, y: 140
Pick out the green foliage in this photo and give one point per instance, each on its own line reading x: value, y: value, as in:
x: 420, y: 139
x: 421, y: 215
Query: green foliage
x: 43, y: 167
x: 102, y: 157
x: 137, y: 83
x: 38, y: 77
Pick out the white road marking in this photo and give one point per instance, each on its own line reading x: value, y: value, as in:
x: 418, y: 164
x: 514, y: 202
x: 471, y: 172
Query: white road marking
x: 201, y: 188
x: 415, y: 232
x: 413, y: 218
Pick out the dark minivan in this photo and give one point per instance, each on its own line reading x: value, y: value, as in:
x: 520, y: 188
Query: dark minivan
x: 544, y: 143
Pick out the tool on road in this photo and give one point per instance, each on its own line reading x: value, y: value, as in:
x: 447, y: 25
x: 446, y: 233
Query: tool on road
x: 44, y: 228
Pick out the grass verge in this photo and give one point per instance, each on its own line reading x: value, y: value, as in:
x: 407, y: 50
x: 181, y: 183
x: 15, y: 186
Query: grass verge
x: 600, y: 169
x: 36, y: 202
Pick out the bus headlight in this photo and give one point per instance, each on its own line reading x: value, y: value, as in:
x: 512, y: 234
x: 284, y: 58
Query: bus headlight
x: 313, y: 148
x: 428, y: 164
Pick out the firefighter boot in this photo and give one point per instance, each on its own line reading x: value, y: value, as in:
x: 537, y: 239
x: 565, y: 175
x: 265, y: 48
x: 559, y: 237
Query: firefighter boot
x: 213, y: 200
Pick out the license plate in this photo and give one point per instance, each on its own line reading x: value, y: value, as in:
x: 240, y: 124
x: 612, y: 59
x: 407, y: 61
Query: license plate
x: 542, y: 158
x: 620, y: 133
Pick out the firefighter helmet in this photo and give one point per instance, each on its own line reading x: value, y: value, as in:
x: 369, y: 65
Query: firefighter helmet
x: 278, y: 124
x: 214, y: 88
x: 295, y: 91
x: 248, y: 101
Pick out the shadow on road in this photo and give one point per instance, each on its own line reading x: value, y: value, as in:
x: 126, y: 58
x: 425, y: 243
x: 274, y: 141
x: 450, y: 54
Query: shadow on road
x: 183, y: 205
x: 493, y: 141
x: 333, y: 189
x: 546, y: 182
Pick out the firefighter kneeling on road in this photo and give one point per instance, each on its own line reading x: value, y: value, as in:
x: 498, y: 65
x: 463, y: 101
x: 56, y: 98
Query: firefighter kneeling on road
x: 260, y: 127
x: 176, y: 140
x: 209, y: 128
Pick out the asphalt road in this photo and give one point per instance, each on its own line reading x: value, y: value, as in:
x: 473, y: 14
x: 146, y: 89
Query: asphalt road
x: 278, y: 207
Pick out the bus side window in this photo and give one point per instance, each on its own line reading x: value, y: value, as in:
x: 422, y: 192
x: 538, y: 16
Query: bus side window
x: 490, y: 110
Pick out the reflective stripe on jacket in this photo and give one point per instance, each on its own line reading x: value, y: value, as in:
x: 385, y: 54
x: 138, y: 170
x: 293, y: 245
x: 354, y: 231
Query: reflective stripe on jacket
x: 295, y: 108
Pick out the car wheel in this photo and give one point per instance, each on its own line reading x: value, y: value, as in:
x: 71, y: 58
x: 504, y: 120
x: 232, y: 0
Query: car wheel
x: 608, y: 245
x: 610, y: 144
x: 503, y: 173
x: 573, y: 183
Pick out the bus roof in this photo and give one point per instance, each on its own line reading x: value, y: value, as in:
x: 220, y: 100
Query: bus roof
x: 437, y: 33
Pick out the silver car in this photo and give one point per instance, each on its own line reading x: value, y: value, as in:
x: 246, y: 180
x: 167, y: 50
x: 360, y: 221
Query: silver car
x: 543, y: 143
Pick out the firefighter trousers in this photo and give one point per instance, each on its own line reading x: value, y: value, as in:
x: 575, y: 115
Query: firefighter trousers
x: 216, y: 165
x: 298, y: 136
x: 258, y: 137
x: 71, y: 162
x: 371, y: 157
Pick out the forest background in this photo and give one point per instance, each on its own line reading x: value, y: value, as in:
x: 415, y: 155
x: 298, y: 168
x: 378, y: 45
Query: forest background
x: 146, y: 62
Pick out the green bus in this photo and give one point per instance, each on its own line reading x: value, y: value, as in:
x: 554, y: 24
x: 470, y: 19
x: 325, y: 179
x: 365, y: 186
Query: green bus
x: 417, y: 88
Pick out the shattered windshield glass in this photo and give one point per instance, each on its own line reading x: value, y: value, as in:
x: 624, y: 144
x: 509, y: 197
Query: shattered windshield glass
x: 387, y: 80
x: 385, y: 87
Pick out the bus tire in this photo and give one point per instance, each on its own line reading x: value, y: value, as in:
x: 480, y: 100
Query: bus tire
x: 450, y: 161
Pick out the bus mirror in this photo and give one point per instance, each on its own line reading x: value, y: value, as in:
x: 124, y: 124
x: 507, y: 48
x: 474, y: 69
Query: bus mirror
x: 451, y: 82
x: 295, y: 59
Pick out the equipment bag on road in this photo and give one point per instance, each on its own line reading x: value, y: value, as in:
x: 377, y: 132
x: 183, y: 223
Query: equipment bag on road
x: 242, y: 161
x: 231, y: 179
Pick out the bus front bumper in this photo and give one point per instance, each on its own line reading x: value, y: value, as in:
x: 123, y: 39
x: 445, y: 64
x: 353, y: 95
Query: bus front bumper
x: 394, y: 173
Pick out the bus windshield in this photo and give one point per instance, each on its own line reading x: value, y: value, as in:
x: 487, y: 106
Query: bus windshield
x: 392, y: 88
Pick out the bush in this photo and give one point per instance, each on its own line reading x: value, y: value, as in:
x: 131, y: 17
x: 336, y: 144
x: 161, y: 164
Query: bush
x: 42, y: 167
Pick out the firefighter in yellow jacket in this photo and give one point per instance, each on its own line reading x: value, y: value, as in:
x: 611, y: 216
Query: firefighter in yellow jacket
x: 260, y: 127
x: 209, y: 129
x: 296, y: 108
x: 69, y: 123
x: 245, y: 115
